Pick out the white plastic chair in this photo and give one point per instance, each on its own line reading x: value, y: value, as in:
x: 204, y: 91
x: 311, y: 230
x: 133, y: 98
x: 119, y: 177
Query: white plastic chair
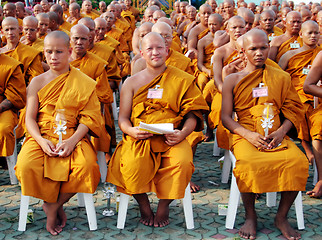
x: 234, y: 198
x: 102, y: 165
x: 11, y: 162
x: 216, y: 149
x: 84, y: 199
x: 187, y: 209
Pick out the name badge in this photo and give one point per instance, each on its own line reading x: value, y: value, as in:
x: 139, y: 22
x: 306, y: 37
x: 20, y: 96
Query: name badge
x: 295, y: 45
x: 260, y: 91
x: 155, y: 93
x: 306, y: 70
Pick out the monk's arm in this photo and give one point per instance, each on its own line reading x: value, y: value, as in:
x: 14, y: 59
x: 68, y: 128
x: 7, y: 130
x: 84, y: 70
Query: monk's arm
x: 138, y: 66
x: 220, y: 39
x: 201, y: 56
x: 135, y: 42
x: 179, y: 135
x: 276, y: 137
x: 5, y: 105
x: 284, y: 60
x: 31, y: 118
x: 217, y: 68
x: 181, y: 27
x: 273, y: 50
x: 192, y: 40
x: 315, y: 73
x: 226, y: 116
x: 126, y: 110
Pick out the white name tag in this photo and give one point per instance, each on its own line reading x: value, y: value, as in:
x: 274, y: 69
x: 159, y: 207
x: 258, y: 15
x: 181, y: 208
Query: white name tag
x: 155, y: 93
x: 306, y: 70
x: 295, y: 45
x: 260, y: 92
x: 270, y: 38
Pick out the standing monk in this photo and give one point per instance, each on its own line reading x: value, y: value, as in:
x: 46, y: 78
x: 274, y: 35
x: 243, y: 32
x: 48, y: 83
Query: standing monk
x: 268, y: 162
x: 47, y: 169
x: 165, y: 163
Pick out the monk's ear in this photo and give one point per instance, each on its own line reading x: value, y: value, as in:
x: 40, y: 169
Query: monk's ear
x: 301, y: 34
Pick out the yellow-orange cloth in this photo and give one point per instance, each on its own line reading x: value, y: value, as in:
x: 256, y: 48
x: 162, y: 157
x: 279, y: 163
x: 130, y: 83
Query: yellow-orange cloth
x: 180, y: 61
x: 118, y: 35
x: 176, y: 47
x: 203, y: 78
x: 128, y: 16
x: 139, y: 166
x: 91, y: 15
x: 66, y: 25
x: 286, y: 46
x: 276, y: 32
x: 45, y: 177
x: 295, y: 67
x: 316, y: 123
x: 109, y: 41
x: 12, y: 88
x: 203, y: 33
x: 284, y: 168
x: 38, y: 44
x: 122, y: 24
x: 176, y: 38
x: 135, y: 12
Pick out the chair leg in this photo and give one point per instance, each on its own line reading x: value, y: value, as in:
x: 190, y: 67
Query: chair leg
x: 80, y: 200
x: 11, y: 161
x: 174, y: 203
x: 216, y: 149
x: 90, y: 211
x: 271, y: 199
x: 187, y: 208
x: 24, y: 204
x: 102, y: 165
x: 226, y: 168
x: 315, y: 174
x: 234, y: 197
x: 299, y: 211
x: 121, y: 217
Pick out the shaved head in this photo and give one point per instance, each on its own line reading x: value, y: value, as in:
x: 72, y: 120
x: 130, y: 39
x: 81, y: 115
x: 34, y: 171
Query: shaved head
x: 253, y: 34
x: 30, y: 20
x: 310, y: 33
x: 309, y: 24
x: 87, y: 21
x: 79, y: 28
x: 248, y: 16
x: 165, y: 31
x: 57, y: 35
x: 11, y: 21
x: 154, y: 37
x: 166, y: 20
x: 9, y: 10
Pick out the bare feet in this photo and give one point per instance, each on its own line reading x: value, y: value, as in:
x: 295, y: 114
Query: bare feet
x: 62, y: 219
x: 51, y: 212
x: 147, y: 216
x: 284, y: 226
x: 194, y: 187
x: 317, y: 190
x: 209, y: 135
x: 248, y: 230
x: 161, y: 218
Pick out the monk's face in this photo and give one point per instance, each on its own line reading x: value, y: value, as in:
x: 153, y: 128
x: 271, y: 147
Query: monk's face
x: 251, y: 6
x: 256, y: 50
x: 228, y: 10
x: 128, y: 3
x: 183, y: 6
x: 236, y: 28
x: 111, y: 9
x: 91, y: 28
x: 293, y: 23
x: 100, y: 30
x: 214, y: 24
x: 45, y: 6
x: 43, y: 24
x: 148, y: 15
x: 154, y: 51
x: 213, y: 5
x: 79, y: 41
x: 110, y: 19
x: 310, y: 34
x: 64, y: 5
x: 57, y: 53
x: 11, y: 31
x: 38, y: 9
x: 177, y: 6
x: 102, y: 6
x: 191, y: 13
x: 258, y: 9
x: 249, y: 21
x: 166, y: 34
x: 30, y: 30
x: 267, y: 21
x: 73, y: 11
x: 204, y: 15
x: 87, y: 6
x: 9, y: 10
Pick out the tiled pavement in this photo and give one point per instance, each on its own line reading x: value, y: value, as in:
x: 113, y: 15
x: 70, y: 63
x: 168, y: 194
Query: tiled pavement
x: 208, y: 224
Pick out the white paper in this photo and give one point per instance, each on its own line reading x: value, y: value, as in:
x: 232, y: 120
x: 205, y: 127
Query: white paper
x: 159, y: 128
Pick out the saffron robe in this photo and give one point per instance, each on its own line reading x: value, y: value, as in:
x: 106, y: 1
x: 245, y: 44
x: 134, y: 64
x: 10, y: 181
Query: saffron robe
x: 13, y: 88
x: 118, y: 35
x: 284, y: 168
x: 45, y: 177
x: 203, y: 78
x: 139, y: 166
x: 286, y: 46
x: 38, y: 44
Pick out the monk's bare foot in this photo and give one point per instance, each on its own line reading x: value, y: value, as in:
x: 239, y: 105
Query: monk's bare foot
x: 51, y: 214
x: 147, y: 216
x: 61, y: 217
x: 248, y: 230
x: 194, y: 187
x: 284, y: 226
x: 317, y: 190
x: 161, y: 218
x: 209, y: 135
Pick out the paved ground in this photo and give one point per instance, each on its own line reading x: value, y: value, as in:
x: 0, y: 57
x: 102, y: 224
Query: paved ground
x: 208, y: 224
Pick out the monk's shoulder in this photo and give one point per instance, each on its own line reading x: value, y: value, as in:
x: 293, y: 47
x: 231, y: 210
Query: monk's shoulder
x: 232, y: 79
x: 179, y: 74
x: 278, y: 40
x: 8, y: 63
x: 278, y: 74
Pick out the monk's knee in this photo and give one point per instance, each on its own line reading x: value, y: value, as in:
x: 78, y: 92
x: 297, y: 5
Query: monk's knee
x: 6, y: 129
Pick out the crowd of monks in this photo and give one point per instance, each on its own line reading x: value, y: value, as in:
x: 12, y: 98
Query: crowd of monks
x: 238, y: 66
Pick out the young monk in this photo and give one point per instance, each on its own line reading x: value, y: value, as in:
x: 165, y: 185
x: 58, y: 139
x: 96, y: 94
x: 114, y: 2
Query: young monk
x: 265, y: 163
x: 144, y: 162
x: 47, y: 169
x: 295, y: 62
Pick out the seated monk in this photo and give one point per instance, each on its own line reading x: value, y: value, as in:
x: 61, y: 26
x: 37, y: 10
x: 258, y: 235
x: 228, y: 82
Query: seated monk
x: 43, y: 25
x: 310, y: 87
x: 267, y: 160
x: 47, y: 169
x: 297, y: 63
x: 144, y: 162
x: 266, y: 23
x: 30, y: 30
x: 191, y: 17
x: 74, y: 14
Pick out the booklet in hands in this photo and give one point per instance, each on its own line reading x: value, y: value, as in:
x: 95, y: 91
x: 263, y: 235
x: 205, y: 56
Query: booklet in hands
x: 159, y: 128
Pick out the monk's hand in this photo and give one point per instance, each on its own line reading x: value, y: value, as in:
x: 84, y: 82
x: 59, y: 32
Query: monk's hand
x: 274, y: 139
x: 208, y: 72
x: 174, y: 138
x: 257, y: 140
x: 48, y: 147
x: 139, y: 134
x: 65, y: 148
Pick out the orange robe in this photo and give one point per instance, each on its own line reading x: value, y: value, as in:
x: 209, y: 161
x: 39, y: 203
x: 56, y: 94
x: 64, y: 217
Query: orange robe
x: 203, y: 78
x: 203, y: 33
x: 180, y: 61
x: 38, y: 44
x: 91, y: 15
x: 128, y: 16
x: 66, y: 26
x: 139, y: 166
x: 95, y: 67
x: 109, y: 41
x: 13, y: 88
x: 286, y: 46
x: 135, y: 12
x: 284, y: 168
x: 118, y: 35
x: 45, y: 177
x: 276, y: 32
x: 122, y: 24
x: 295, y: 67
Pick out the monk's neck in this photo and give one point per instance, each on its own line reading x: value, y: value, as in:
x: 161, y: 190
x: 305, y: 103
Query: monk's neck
x: 251, y: 68
x: 308, y: 47
x: 11, y: 45
x: 232, y: 44
x: 289, y: 34
x: 154, y: 72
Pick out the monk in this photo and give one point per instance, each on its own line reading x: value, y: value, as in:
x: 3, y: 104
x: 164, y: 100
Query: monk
x: 183, y: 13
x: 30, y: 29
x: 266, y: 23
x: 60, y: 13
x: 268, y: 162
x: 12, y: 98
x: 87, y: 9
x: 200, y: 30
x: 248, y: 16
x: 74, y: 14
x: 129, y: 7
x: 65, y: 7
x: 43, y: 25
x: 295, y: 62
x: 20, y: 10
x: 54, y: 23
x: 282, y: 23
x: 37, y: 9
x: 28, y: 56
x: 102, y: 6
x: 158, y: 14
x: 251, y: 6
x: 228, y: 9
x: 306, y: 14
x: 47, y: 169
x: 310, y: 87
x: 319, y: 21
x: 176, y: 11
x: 166, y: 165
x: 45, y: 5
x: 191, y: 18
x: 290, y: 40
